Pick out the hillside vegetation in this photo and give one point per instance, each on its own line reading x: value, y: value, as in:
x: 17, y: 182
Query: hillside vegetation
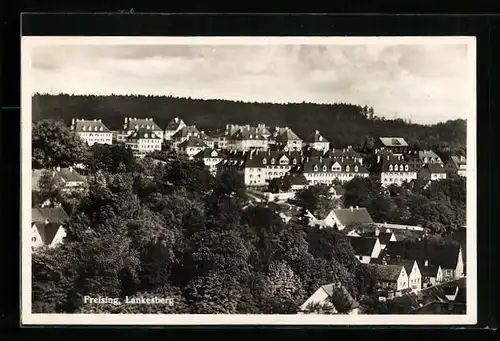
x: 343, y: 124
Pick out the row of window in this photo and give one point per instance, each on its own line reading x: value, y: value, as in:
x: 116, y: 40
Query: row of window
x: 107, y: 135
x: 335, y: 168
x: 395, y: 168
x: 283, y: 161
x: 85, y: 128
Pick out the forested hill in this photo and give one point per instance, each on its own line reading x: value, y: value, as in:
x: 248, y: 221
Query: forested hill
x: 343, y: 124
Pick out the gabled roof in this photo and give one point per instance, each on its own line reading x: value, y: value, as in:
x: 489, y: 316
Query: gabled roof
x: 363, y: 246
x: 193, y: 142
x: 315, y: 136
x: 187, y: 131
x: 384, y: 237
x: 145, y: 123
x: 445, y: 255
x: 429, y: 154
x: 428, y: 271
x: 245, y: 135
x: 323, y: 164
x: 83, y: 126
x: 51, y: 214
x: 143, y: 133
x: 435, y: 168
x: 287, y: 135
x: 209, y: 153
x: 347, y: 216
x: 406, y: 263
x: 174, y: 124
x: 387, y: 273
x: 389, y: 160
x: 458, y: 161
x: 70, y: 175
x: 393, y: 141
x: 298, y: 180
x: 337, y: 153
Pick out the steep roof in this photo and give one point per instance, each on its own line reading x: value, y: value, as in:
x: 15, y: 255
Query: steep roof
x: 362, y: 246
x: 70, y: 175
x: 143, y: 133
x: 258, y: 159
x: 209, y: 153
x: 83, y: 126
x: 193, y: 142
x: 245, y: 135
x: 388, y: 161
x: 435, y: 168
x: 384, y: 237
x: 429, y: 154
x: 348, y: 216
x: 145, y: 123
x: 406, y: 263
x: 393, y: 142
x: 458, y: 161
x: 315, y: 136
x: 287, y: 135
x: 187, y: 131
x: 445, y: 255
x: 52, y: 214
x: 174, y: 124
x: 387, y: 273
x: 429, y: 270
x: 323, y: 164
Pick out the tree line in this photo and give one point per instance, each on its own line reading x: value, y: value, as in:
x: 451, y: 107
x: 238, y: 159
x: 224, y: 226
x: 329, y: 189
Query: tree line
x: 343, y: 124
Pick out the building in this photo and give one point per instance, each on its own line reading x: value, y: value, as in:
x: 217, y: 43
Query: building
x: 395, y: 145
x: 143, y: 141
x: 391, y: 277
x: 247, y: 138
x: 431, y: 172
x: 344, y: 154
x: 328, y: 171
x: 448, y: 256
x: 192, y: 146
x: 47, y: 226
x: 365, y: 249
x: 297, y: 182
x: 184, y: 134
x: 412, y: 270
x: 173, y: 126
x: 131, y: 125
x: 325, y: 300
x: 344, y: 217
x: 211, y: 158
x: 286, y: 139
x: 431, y: 274
x: 69, y: 178
x: 456, y: 165
x: 316, y: 141
x: 259, y: 167
x: 393, y: 170
x: 384, y: 237
x: 92, y: 131
x: 419, y: 158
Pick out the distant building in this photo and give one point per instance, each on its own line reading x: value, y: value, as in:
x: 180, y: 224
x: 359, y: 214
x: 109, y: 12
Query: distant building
x: 286, y: 138
x: 322, y: 170
x: 431, y: 172
x: 365, y: 249
x: 391, y: 277
x: 316, y: 141
x: 47, y: 226
x: 395, y: 145
x: 344, y: 154
x: 92, y: 131
x: 184, y: 134
x: 130, y: 125
x: 418, y: 159
x: 247, y: 138
x: 70, y: 179
x: 343, y: 217
x: 431, y: 274
x: 384, y: 237
x: 192, y: 146
x: 143, y: 141
x: 412, y: 270
x: 393, y: 170
x: 456, y: 165
x: 211, y: 158
x: 173, y: 126
x: 324, y: 299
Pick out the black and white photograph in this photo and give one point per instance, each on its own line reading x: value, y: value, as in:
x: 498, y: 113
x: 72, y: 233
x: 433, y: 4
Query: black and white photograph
x: 249, y: 180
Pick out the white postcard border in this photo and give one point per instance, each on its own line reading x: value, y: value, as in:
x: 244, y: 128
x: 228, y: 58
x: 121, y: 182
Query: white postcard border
x: 28, y: 318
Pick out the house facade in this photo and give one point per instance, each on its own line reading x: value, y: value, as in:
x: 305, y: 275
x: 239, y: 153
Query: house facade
x: 143, y: 141
x: 211, y: 158
x: 287, y: 139
x: 92, y: 131
x: 456, y: 165
x: 432, y: 172
x: 316, y: 141
x: 48, y: 226
x: 394, y: 170
x: 391, y: 277
x: 365, y: 249
x: 191, y: 146
x: 184, y: 134
x: 328, y: 171
x: 345, y: 154
x: 431, y: 274
x: 247, y: 138
x: 133, y: 124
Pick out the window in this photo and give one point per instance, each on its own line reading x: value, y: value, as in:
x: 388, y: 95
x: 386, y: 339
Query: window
x: 347, y: 168
x: 294, y: 161
x: 355, y: 168
x: 272, y: 161
x: 315, y: 168
x: 33, y: 239
x: 390, y: 168
x: 406, y: 168
x: 324, y: 168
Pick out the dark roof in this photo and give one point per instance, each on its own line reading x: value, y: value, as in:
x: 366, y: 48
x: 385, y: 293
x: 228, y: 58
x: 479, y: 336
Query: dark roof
x: 315, y: 136
x: 209, y: 153
x: 243, y: 134
x: 143, y: 133
x: 174, y: 124
x: 193, y: 142
x: 445, y: 255
x: 441, y: 308
x: 435, y: 168
x: 348, y: 216
x: 319, y: 164
x: 187, y: 131
x: 406, y: 263
x: 298, y: 180
x: 429, y: 270
x: 362, y: 246
x: 384, y: 237
x: 262, y: 158
x: 430, y: 155
x: 387, y: 273
x: 144, y: 123
x: 70, y: 175
x: 90, y: 125
x: 337, y: 153
x: 51, y: 214
x: 388, y: 161
x: 331, y: 288
x: 458, y: 161
x: 393, y: 141
x: 287, y: 135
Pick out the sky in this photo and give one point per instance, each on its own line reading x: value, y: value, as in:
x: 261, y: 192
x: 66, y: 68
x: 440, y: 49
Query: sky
x: 425, y: 83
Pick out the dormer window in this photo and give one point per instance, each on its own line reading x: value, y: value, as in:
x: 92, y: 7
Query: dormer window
x: 95, y: 128
x: 102, y: 129
x: 406, y: 168
x: 146, y: 135
x: 320, y: 138
x: 273, y: 161
x: 84, y: 128
x: 390, y: 168
x: 264, y: 161
x: 355, y: 168
x: 147, y: 127
x: 324, y: 168
x: 347, y: 168
x: 251, y: 136
x: 315, y: 168
x: 142, y: 125
x: 136, y: 126
x: 294, y: 161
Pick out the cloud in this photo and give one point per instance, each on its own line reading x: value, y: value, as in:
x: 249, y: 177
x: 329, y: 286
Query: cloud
x: 425, y: 82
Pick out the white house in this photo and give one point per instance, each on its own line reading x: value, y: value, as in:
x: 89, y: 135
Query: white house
x: 247, y: 138
x: 173, y: 126
x: 192, y: 146
x: 392, y: 277
x: 395, y: 145
x: 456, y: 165
x: 286, y: 138
x: 343, y: 217
x: 144, y: 124
x: 211, y: 158
x: 47, y: 226
x: 316, y: 141
x: 143, y: 141
x: 432, y: 172
x: 328, y: 171
x: 365, y: 249
x: 394, y: 169
x: 324, y: 299
x: 92, y: 131
x: 431, y: 274
x: 412, y: 270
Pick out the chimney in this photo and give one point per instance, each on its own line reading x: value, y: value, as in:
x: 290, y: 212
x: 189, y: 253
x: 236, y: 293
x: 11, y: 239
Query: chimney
x: 126, y: 120
x: 351, y: 208
x: 385, y: 223
x: 58, y: 168
x: 426, y: 263
x: 377, y: 232
x: 357, y: 207
x: 321, y: 159
x: 387, y: 157
x: 72, y: 121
